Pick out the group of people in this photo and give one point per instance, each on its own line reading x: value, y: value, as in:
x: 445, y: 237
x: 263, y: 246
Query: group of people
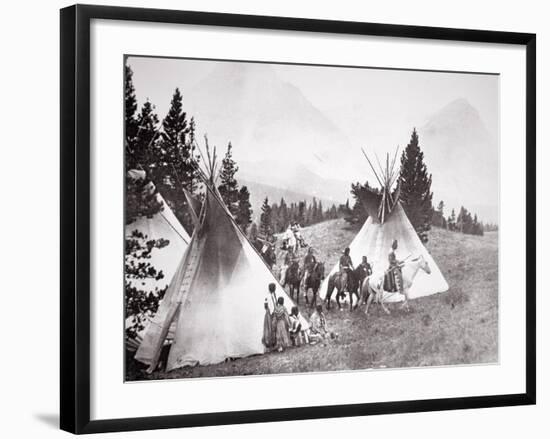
x: 393, y: 278
x: 292, y: 238
x: 283, y: 329
x: 309, y: 264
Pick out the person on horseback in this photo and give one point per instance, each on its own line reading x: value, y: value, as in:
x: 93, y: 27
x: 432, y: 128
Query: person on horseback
x: 309, y: 264
x: 297, y: 233
x: 346, y: 265
x: 394, y: 269
x: 365, y: 267
x: 289, y: 258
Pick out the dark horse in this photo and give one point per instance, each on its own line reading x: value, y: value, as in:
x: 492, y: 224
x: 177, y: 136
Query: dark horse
x: 355, y: 280
x: 292, y: 279
x: 313, y: 281
x: 270, y: 257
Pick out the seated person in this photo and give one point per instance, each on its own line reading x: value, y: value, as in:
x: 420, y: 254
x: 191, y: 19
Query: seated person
x: 297, y: 336
x: 318, y: 330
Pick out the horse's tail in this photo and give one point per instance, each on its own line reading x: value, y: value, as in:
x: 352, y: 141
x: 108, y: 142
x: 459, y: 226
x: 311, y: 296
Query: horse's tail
x: 330, y: 287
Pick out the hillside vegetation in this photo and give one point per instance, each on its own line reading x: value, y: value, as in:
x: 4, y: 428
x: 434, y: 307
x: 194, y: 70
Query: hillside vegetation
x: 456, y: 327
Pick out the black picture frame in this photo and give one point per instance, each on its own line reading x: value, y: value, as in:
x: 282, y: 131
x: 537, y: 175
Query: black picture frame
x: 75, y: 217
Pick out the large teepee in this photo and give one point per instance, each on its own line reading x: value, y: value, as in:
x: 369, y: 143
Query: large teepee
x: 216, y: 298
x: 388, y: 221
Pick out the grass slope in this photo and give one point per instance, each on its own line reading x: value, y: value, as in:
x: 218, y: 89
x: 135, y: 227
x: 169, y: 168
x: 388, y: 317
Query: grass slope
x: 456, y: 327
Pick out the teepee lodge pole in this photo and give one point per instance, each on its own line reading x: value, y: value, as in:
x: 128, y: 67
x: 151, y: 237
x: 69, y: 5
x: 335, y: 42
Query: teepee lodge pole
x: 372, y: 167
x: 386, y: 177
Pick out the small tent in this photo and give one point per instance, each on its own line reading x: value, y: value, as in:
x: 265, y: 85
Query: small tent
x: 215, y: 301
x: 388, y: 221
x: 162, y: 225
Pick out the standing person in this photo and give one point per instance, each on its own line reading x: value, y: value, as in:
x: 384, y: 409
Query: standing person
x: 346, y: 265
x: 267, y: 338
x: 281, y: 325
x: 395, y: 268
x: 309, y: 264
x: 272, y: 297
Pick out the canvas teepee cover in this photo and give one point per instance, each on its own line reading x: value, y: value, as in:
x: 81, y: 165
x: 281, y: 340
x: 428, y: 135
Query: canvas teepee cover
x: 388, y: 221
x: 162, y: 225
x: 374, y: 241
x: 216, y: 297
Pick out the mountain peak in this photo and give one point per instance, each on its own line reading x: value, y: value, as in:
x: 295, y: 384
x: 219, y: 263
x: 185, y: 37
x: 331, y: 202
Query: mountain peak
x: 266, y: 117
x: 459, y: 119
x: 463, y: 159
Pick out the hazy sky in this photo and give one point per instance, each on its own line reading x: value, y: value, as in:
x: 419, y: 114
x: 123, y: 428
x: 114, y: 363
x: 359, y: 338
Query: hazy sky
x: 279, y: 116
x: 375, y: 108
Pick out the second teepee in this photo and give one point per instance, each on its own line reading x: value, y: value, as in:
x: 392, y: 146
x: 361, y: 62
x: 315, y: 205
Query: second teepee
x: 388, y: 221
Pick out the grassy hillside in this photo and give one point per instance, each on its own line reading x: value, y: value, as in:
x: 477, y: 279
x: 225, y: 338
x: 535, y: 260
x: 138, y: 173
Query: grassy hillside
x: 328, y: 239
x: 456, y: 327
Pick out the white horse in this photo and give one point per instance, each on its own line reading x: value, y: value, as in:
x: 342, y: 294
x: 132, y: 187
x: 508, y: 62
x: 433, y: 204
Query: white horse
x: 373, y: 285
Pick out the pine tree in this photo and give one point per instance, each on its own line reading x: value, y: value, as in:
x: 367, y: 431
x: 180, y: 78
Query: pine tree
x: 309, y: 215
x: 358, y: 213
x: 253, y: 232
x: 451, y: 221
x: 229, y: 189
x: 191, y: 133
x: 140, y: 304
x: 477, y: 227
x: 283, y: 214
x: 275, y: 218
x: 464, y: 221
x: 301, y: 215
x: 174, y: 165
x: 178, y: 150
x: 243, y: 216
x: 175, y: 127
x: 415, y: 182
x: 140, y: 155
x: 314, y: 212
x: 266, y: 229
x: 139, y: 202
x: 130, y: 120
x: 438, y: 218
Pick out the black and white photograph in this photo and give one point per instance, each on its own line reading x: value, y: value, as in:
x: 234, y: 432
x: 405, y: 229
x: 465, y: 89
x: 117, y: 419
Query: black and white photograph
x: 275, y: 219
x: 294, y: 218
